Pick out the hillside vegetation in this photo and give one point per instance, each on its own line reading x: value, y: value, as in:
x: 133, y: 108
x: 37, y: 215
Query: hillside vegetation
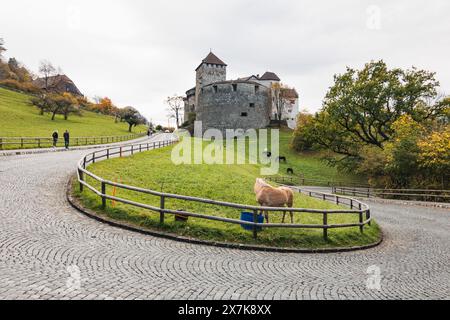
x: 18, y: 118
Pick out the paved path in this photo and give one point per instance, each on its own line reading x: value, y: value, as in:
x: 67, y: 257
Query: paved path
x: 49, y: 250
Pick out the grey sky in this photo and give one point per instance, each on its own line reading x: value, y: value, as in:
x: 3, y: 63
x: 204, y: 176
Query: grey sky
x: 139, y: 52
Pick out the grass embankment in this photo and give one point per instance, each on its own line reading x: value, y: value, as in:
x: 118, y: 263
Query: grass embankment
x: 309, y: 165
x: 18, y: 118
x: 231, y: 183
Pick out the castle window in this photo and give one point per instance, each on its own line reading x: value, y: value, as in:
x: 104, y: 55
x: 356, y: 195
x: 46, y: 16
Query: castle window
x: 244, y: 114
x: 251, y: 105
x: 256, y: 89
x: 215, y: 89
x: 234, y: 87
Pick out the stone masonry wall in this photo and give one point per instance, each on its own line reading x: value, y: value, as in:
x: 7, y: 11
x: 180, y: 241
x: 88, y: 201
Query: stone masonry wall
x: 234, y: 105
x: 207, y: 74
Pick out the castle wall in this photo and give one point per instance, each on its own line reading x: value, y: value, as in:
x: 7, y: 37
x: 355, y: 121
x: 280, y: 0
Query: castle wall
x: 245, y: 106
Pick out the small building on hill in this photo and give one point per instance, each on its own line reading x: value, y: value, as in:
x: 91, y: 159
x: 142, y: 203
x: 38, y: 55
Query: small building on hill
x: 59, y: 83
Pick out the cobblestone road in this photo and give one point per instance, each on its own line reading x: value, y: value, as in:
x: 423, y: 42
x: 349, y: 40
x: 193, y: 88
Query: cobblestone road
x: 50, y: 251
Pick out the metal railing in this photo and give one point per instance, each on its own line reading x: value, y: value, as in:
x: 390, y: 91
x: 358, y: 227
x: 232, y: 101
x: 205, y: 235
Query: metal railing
x: 43, y: 142
x: 399, y: 194
x: 356, y: 207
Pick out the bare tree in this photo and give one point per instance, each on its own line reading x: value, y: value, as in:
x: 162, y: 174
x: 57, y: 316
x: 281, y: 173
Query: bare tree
x: 175, y: 108
x: 47, y: 70
x: 278, y: 99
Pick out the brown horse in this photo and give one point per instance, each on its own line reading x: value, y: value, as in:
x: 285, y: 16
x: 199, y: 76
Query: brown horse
x: 268, y: 196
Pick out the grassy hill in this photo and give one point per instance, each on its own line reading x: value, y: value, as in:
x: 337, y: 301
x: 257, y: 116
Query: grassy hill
x: 232, y: 183
x: 18, y: 118
x: 310, y: 165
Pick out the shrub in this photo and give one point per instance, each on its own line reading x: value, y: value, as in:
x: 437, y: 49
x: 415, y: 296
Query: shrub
x: 19, y: 86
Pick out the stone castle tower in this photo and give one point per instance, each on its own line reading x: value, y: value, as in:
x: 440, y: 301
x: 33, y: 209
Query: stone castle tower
x: 211, y: 70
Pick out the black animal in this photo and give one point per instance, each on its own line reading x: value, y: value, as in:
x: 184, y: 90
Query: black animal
x: 268, y: 154
x: 282, y: 159
x: 290, y: 171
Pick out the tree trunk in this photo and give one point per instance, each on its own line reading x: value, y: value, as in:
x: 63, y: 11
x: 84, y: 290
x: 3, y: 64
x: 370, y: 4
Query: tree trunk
x: 130, y: 126
x: 53, y: 115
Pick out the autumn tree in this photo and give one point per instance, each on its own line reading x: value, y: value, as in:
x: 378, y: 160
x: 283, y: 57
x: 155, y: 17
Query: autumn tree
x: 175, y: 108
x: 434, y: 155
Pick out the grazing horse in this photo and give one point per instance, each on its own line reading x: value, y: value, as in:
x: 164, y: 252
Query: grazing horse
x: 268, y: 196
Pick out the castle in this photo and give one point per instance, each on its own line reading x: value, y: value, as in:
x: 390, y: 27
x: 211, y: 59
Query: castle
x: 245, y: 103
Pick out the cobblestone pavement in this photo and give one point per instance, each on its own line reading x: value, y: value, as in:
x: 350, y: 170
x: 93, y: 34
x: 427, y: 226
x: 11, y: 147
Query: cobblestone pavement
x: 50, y: 251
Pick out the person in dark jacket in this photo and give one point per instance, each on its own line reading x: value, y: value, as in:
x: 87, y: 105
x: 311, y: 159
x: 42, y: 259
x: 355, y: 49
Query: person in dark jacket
x: 55, y: 138
x: 66, y: 139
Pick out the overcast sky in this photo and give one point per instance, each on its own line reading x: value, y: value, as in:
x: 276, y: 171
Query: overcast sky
x: 139, y: 52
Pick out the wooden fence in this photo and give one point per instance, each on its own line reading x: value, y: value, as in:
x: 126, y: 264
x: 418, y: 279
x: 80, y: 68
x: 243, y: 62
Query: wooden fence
x: 301, y: 181
x: 41, y: 142
x: 400, y: 194
x: 355, y: 207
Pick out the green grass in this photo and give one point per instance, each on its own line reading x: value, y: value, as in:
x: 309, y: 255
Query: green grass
x: 18, y: 118
x: 310, y: 164
x: 231, y: 183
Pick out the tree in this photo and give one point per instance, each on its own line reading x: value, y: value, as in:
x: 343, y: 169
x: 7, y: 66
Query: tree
x: 131, y: 116
x: 18, y: 71
x: 434, y: 154
x: 68, y: 105
x: 366, y: 103
x: 303, y: 139
x: 43, y: 102
x: 279, y: 99
x: 47, y: 70
x: 64, y: 104
x: 175, y: 108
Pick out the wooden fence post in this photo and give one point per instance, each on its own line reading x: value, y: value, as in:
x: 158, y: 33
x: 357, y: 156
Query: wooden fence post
x: 1, y: 144
x: 107, y: 154
x: 369, y: 215
x: 161, y: 213
x: 80, y: 173
x: 255, y: 228
x: 103, y: 195
x: 325, y: 224
x: 361, y: 220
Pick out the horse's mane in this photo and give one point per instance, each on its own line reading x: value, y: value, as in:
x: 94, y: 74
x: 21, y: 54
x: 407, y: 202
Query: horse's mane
x: 260, y: 183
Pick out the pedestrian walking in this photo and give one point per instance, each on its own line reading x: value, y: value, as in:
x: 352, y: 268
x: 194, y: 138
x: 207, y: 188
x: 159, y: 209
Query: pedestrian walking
x: 55, y: 138
x: 149, y: 132
x: 66, y: 139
